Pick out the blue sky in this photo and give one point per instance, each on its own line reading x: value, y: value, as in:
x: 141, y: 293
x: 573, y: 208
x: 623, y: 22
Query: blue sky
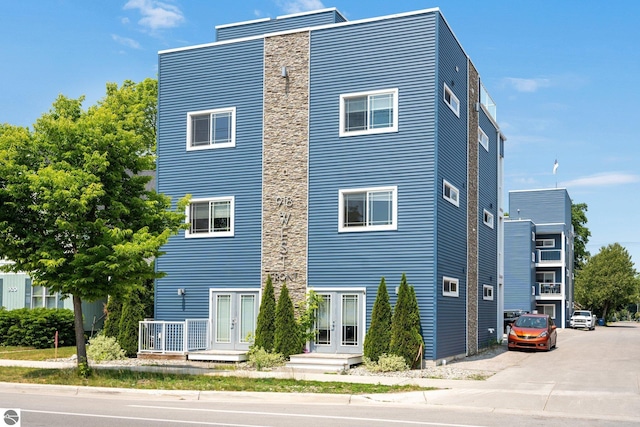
x: 563, y: 73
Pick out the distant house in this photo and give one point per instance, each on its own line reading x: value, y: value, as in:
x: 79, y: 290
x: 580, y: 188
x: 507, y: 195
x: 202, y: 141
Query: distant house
x: 328, y: 154
x: 17, y: 291
x: 538, y: 243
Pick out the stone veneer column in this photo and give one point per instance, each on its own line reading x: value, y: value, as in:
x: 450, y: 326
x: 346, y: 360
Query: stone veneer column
x: 472, y: 212
x: 285, y: 158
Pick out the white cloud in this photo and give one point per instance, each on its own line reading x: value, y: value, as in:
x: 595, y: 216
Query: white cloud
x: 156, y: 14
x: 527, y: 85
x: 297, y: 6
x: 602, y: 180
x: 126, y: 41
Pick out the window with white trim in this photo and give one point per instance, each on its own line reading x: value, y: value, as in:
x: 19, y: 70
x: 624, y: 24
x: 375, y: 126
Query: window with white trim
x: 210, y: 217
x: 545, y: 243
x: 211, y: 129
x: 450, y: 193
x: 450, y: 287
x: 368, y: 209
x: 451, y: 100
x: 487, y: 218
x: 546, y: 309
x: 483, y: 139
x: 43, y: 297
x: 369, y: 112
x: 487, y: 292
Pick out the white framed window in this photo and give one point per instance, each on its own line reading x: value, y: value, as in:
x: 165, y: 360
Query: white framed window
x: 450, y: 287
x: 369, y: 112
x: 211, y: 217
x: 487, y: 218
x: 483, y: 139
x: 368, y: 209
x: 487, y: 292
x: 545, y: 243
x: 546, y: 309
x: 211, y: 129
x: 43, y: 297
x: 533, y: 257
x: 450, y: 193
x: 451, y: 100
x: 545, y: 276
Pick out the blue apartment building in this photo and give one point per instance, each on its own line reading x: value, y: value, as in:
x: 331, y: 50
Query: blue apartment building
x: 328, y: 154
x: 538, y: 243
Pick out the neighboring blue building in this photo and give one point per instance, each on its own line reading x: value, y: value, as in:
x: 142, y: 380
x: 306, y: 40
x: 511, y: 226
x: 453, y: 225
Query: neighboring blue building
x: 328, y: 154
x: 538, y: 243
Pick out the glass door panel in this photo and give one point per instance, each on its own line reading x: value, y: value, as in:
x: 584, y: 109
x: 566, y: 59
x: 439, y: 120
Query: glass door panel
x: 323, y: 321
x: 223, y: 318
x: 247, y: 318
x: 350, y: 319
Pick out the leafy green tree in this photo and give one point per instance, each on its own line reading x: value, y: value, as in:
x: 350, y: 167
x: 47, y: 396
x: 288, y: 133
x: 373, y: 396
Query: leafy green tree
x: 378, y: 338
x: 582, y: 233
x: 608, y: 281
x: 76, y: 212
x: 287, y: 334
x: 265, y: 327
x: 406, y: 340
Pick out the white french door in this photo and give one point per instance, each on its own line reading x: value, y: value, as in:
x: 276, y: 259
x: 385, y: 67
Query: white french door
x: 233, y: 318
x: 340, y: 322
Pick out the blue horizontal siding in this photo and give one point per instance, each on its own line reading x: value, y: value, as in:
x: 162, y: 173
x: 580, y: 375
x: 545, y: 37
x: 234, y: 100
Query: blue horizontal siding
x: 519, y: 270
x: 451, y: 219
x: 206, y: 78
x: 541, y: 206
x: 343, y: 61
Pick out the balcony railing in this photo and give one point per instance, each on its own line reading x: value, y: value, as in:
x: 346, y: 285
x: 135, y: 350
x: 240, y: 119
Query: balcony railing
x: 157, y: 336
x: 548, y: 289
x: 549, y: 256
x: 487, y: 101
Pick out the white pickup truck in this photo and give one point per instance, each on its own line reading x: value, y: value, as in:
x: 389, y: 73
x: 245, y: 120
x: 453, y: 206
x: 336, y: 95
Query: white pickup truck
x: 583, y: 319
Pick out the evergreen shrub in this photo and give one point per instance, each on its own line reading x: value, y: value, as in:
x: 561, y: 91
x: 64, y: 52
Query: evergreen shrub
x: 37, y: 327
x: 406, y: 340
x: 378, y: 337
x: 287, y: 340
x: 265, y: 326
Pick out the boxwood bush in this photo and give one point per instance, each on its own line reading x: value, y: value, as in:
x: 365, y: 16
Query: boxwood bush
x: 36, y: 327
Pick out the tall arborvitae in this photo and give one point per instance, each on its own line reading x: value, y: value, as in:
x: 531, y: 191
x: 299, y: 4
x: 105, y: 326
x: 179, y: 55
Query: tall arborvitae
x: 133, y: 309
x: 378, y: 336
x: 406, y: 340
x: 287, y: 337
x: 112, y: 321
x: 265, y: 328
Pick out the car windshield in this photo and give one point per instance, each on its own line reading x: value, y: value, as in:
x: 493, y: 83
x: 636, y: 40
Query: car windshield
x: 581, y: 313
x: 531, y: 322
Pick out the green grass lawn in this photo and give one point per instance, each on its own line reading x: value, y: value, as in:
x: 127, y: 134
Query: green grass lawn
x: 125, y: 378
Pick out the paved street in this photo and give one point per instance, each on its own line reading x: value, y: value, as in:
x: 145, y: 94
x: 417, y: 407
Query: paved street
x: 592, y: 378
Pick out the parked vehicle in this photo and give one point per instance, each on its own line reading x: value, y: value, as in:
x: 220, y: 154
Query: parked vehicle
x: 583, y: 319
x: 510, y: 316
x: 534, y: 332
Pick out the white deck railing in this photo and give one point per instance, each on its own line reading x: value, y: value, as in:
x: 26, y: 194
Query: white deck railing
x: 158, y: 336
x: 549, y: 288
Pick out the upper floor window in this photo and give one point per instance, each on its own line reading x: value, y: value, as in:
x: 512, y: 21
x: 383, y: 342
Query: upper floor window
x: 487, y: 292
x: 483, y: 139
x: 210, y: 217
x: 450, y: 287
x: 369, y: 112
x: 211, y: 129
x: 545, y: 243
x: 451, y: 100
x: 450, y: 193
x: 368, y: 209
x: 488, y: 218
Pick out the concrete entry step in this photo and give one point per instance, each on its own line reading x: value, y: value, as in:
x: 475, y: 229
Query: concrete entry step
x: 218, y: 356
x: 323, y: 362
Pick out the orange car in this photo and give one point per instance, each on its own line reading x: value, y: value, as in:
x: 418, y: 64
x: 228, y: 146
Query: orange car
x: 533, y: 331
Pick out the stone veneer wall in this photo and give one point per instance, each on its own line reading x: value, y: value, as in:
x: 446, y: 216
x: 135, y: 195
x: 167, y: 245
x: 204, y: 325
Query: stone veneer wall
x: 285, y: 156
x: 472, y: 212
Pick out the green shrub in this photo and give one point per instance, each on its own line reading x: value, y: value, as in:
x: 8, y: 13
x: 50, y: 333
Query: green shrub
x: 261, y: 359
x: 406, y: 340
x: 386, y: 363
x: 37, y: 327
x: 378, y: 337
x: 287, y: 338
x: 132, y: 313
x: 103, y: 348
x: 114, y: 313
x: 265, y: 327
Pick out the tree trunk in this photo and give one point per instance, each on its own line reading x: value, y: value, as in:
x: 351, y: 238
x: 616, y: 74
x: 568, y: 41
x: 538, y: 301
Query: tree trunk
x: 604, y: 313
x: 81, y: 348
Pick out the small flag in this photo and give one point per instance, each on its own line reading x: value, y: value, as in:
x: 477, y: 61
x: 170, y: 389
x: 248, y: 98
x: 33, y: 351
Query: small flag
x: 555, y: 167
